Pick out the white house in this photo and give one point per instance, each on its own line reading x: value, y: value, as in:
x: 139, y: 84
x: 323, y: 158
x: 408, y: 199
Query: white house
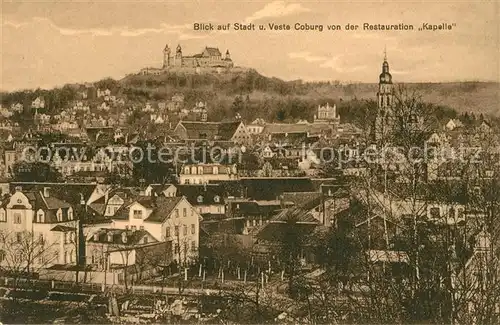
x: 166, y: 219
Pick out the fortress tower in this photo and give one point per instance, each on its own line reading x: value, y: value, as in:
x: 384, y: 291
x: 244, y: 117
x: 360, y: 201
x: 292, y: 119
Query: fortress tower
x: 166, y: 57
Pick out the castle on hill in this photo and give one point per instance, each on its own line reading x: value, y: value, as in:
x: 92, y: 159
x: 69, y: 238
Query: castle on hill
x: 209, y: 60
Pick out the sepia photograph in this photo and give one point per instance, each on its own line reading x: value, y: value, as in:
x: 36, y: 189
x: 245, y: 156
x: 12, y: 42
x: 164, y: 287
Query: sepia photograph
x: 250, y: 162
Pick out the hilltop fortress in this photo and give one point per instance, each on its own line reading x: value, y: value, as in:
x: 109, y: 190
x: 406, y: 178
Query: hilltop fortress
x: 209, y: 60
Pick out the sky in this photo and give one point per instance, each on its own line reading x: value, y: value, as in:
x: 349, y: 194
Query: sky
x: 50, y: 43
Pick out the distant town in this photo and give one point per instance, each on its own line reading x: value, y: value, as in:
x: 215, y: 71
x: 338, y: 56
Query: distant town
x: 164, y: 204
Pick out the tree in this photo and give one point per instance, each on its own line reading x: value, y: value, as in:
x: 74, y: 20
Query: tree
x: 35, y: 172
x: 25, y: 253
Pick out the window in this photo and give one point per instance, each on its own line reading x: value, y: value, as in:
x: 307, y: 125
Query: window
x: 137, y: 214
x: 177, y: 213
x: 19, y: 237
x: 193, y: 246
x: 434, y: 213
x: 184, y: 212
x: 451, y: 212
x: 216, y: 199
x: 109, y: 210
x: 177, y: 230
x: 176, y: 249
x: 59, y: 215
x: 3, y: 217
x: 145, y: 240
x: 185, y: 230
x: 200, y: 199
x: 70, y: 214
x: 167, y: 232
x: 17, y: 218
x: 193, y: 229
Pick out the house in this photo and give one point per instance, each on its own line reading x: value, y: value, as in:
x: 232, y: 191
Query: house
x: 279, y: 229
x: 256, y: 127
x: 207, y: 199
x: 162, y: 106
x: 17, y: 107
x: 148, y: 108
x: 5, y: 112
x: 213, y: 131
x: 452, y: 124
x: 167, y: 190
x: 132, y: 255
x: 166, y: 219
x: 205, y: 173
x: 39, y: 102
x: 248, y: 215
x: 103, y: 93
x: 40, y: 222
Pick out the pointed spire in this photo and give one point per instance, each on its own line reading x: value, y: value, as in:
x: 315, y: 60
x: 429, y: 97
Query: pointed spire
x: 385, y: 53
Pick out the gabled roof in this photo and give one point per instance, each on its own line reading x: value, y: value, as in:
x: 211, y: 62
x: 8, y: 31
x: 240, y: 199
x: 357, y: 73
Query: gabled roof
x: 223, y: 131
x: 268, y: 188
x: 213, y: 51
x: 276, y: 228
x: 69, y: 192
x: 305, y: 200
x: 202, y: 194
x: 310, y: 128
x: 163, y: 208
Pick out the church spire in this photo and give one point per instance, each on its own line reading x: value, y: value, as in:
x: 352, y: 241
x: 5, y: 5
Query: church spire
x: 385, y: 53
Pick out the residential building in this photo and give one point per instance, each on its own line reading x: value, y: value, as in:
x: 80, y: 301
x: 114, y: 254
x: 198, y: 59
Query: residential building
x: 166, y: 219
x: 205, y: 173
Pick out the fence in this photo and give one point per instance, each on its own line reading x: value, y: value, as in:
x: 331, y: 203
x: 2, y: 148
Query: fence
x: 54, y: 285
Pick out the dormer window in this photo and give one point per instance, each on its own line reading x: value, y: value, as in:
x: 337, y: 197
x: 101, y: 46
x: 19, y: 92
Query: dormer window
x: 124, y: 237
x: 200, y: 199
x: 216, y: 199
x: 70, y: 214
x: 110, y: 237
x: 59, y: 215
x: 96, y: 237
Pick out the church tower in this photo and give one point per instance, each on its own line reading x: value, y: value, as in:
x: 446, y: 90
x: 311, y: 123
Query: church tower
x: 385, y: 97
x: 166, y: 57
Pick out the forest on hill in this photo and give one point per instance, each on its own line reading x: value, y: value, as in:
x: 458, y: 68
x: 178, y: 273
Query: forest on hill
x: 251, y: 95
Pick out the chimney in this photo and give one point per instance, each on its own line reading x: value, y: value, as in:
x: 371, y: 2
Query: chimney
x: 46, y: 191
x: 205, y: 187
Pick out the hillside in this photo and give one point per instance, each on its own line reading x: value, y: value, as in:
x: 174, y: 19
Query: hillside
x: 253, y: 95
x: 478, y: 97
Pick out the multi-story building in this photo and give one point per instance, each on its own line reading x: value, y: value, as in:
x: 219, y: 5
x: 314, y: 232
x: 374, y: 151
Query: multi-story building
x: 235, y: 132
x: 166, y: 219
x: 37, y: 231
x: 205, y: 173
